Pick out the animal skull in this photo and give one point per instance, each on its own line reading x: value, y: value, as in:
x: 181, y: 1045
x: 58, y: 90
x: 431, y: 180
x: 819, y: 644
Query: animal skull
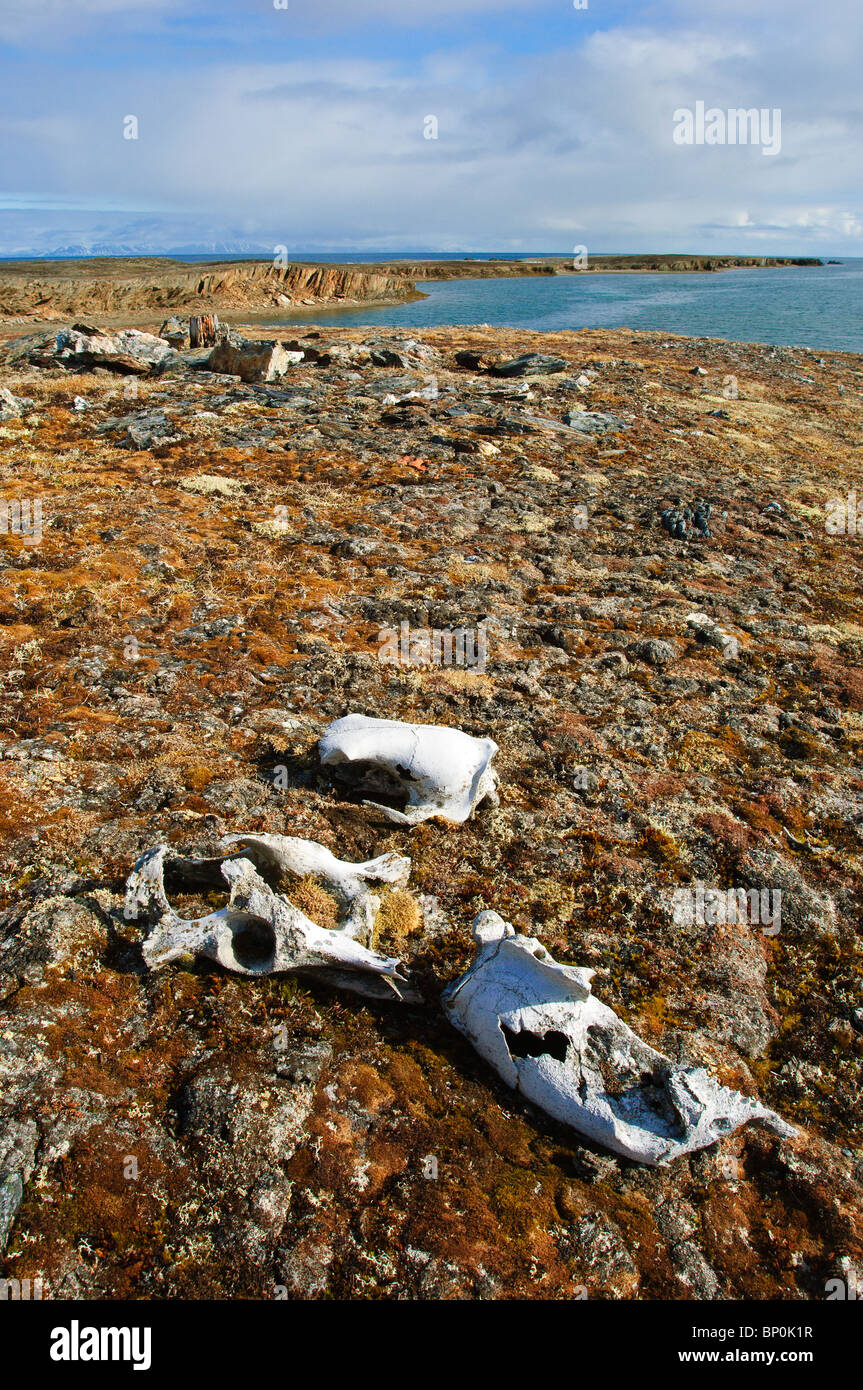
x: 538, y: 1024
x: 259, y: 932
x: 441, y: 772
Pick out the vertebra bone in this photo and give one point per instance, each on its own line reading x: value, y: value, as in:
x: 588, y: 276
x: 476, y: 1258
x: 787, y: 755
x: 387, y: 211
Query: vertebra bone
x: 258, y: 933
x: 347, y: 882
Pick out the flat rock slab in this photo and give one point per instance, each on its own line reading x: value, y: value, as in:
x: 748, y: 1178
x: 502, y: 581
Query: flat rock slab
x: 594, y: 422
x: 531, y: 364
x: 150, y: 429
x: 129, y: 352
x: 391, y: 389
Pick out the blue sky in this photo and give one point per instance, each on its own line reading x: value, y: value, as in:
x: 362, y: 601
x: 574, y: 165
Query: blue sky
x: 304, y: 126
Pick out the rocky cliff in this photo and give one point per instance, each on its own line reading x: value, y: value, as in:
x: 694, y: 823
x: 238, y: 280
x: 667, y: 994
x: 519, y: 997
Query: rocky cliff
x: 44, y: 291
x: 160, y: 285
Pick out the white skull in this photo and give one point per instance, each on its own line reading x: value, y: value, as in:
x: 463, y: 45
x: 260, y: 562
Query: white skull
x: 439, y: 771
x: 537, y: 1023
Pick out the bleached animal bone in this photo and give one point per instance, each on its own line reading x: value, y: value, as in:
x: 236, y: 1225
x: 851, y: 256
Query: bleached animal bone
x: 348, y: 883
x: 544, y: 1033
x: 258, y: 933
x: 442, y: 772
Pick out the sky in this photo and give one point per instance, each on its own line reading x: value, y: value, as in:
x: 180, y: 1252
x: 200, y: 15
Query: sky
x: 306, y: 125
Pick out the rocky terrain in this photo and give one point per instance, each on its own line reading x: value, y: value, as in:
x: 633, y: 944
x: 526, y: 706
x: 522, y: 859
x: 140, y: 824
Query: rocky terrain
x: 563, y: 265
x: 202, y: 588
x: 116, y: 288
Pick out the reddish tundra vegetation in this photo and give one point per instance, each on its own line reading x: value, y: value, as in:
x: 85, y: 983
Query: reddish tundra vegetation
x: 196, y: 582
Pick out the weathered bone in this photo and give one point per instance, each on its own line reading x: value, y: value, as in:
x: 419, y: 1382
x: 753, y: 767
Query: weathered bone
x: 348, y: 883
x: 258, y: 933
x: 443, y: 772
x: 538, y: 1024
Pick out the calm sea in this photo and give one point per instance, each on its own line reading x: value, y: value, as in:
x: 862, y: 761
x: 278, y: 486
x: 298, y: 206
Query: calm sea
x: 818, y: 307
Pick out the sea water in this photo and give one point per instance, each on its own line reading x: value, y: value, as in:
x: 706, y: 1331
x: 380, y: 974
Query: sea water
x: 819, y: 307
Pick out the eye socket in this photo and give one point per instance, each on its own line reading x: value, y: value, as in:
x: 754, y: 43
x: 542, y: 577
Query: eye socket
x: 389, y: 785
x: 253, y: 943
x: 527, y: 1044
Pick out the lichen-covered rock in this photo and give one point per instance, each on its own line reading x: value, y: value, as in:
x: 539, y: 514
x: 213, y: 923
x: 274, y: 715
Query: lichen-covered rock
x: 11, y: 1192
x: 594, y: 422
x: 12, y: 407
x: 252, y: 360
x: 128, y: 351
x: 530, y: 364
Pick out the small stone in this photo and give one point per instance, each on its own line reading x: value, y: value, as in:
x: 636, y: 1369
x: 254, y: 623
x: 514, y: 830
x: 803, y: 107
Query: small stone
x: 303, y: 1065
x: 594, y: 422
x: 12, y: 407
x: 151, y: 429
x: 175, y: 331
x: 654, y: 651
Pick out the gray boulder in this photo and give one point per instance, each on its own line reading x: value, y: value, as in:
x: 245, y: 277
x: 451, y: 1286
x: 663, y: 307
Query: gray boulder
x: 252, y: 360
x: 530, y: 364
x: 595, y: 422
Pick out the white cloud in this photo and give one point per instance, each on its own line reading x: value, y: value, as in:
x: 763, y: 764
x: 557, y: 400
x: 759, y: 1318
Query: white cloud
x: 50, y: 22
x: 563, y: 148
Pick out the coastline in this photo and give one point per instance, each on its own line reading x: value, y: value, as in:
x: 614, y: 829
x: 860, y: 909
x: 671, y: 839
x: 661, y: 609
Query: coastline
x: 144, y: 291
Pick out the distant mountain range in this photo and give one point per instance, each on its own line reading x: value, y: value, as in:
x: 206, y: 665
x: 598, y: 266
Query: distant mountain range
x: 56, y: 235
x: 59, y: 236
x: 119, y: 248
x: 53, y: 235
